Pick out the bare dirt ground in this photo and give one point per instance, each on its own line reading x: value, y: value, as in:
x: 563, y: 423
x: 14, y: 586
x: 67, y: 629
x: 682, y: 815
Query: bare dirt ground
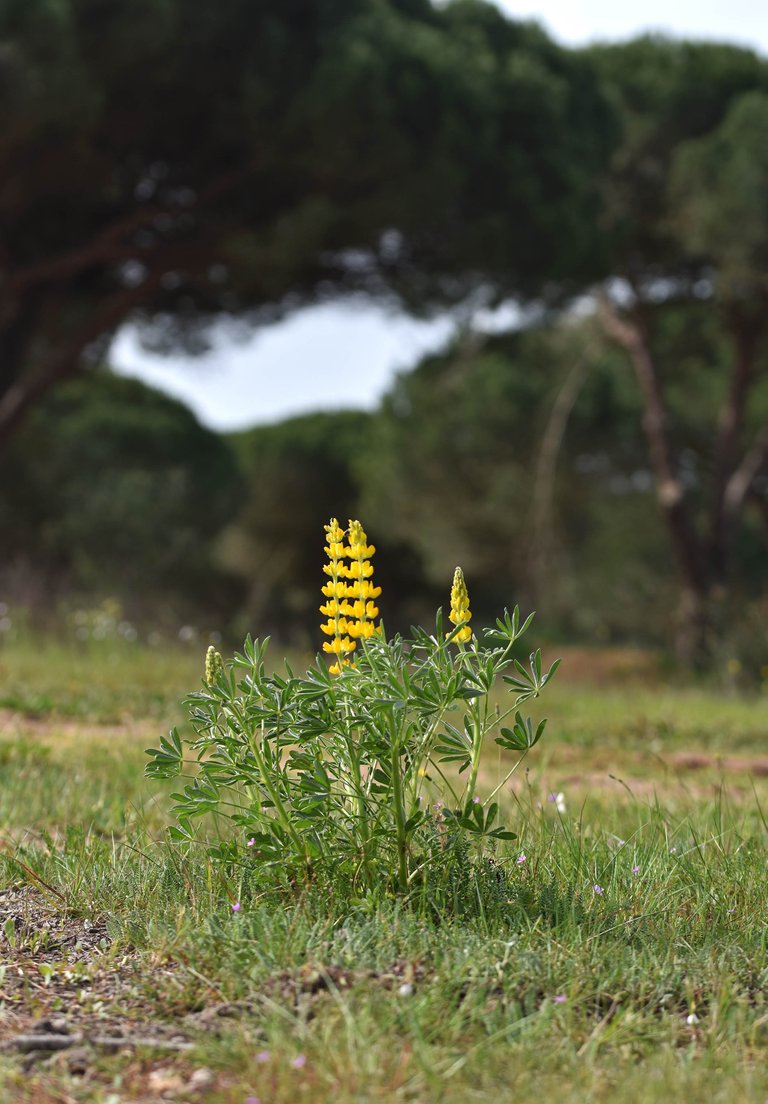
x: 94, y: 1021
x: 69, y: 1000
x: 46, y: 729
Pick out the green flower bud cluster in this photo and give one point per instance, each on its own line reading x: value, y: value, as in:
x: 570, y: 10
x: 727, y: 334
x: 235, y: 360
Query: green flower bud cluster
x: 214, y: 665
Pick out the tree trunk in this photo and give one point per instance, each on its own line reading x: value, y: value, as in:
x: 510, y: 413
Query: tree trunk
x: 692, y: 634
x: 540, y: 549
x: 727, y: 441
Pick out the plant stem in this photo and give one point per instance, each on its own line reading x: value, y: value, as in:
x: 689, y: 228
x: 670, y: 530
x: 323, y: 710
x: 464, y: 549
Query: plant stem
x: 397, y: 799
x: 506, y: 777
x: 266, y: 779
x: 477, y: 747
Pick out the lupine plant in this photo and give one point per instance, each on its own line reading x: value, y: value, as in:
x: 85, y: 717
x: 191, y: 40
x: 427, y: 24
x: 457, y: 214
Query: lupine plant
x: 366, y: 769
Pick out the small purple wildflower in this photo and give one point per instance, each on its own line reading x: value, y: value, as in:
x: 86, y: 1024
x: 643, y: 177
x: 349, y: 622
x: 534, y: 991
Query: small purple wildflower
x: 560, y: 998
x: 251, y: 842
x: 731, y: 909
x: 299, y: 1062
x: 253, y: 1100
x: 475, y: 800
x: 438, y: 805
x: 236, y: 907
x: 521, y: 858
x: 598, y: 889
x: 635, y: 869
x: 263, y: 1056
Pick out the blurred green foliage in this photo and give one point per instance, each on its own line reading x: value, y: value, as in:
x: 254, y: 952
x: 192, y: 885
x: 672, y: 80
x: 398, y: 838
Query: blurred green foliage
x: 430, y: 155
x: 243, y: 159
x: 297, y: 474
x: 118, y: 489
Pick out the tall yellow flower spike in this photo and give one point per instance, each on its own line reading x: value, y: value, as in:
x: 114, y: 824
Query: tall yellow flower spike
x: 460, y: 607
x: 350, y: 608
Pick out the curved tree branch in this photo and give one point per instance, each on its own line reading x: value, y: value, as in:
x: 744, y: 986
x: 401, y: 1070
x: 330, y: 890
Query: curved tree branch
x: 66, y: 361
x: 542, y: 494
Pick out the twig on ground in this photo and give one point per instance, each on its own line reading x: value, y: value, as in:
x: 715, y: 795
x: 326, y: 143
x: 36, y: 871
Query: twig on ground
x: 26, y: 1043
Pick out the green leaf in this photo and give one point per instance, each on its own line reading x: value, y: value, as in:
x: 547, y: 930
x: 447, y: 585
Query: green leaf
x: 522, y: 736
x: 183, y: 832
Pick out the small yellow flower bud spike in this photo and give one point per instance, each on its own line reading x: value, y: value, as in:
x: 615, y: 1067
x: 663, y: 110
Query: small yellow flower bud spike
x: 460, y: 607
x: 214, y: 665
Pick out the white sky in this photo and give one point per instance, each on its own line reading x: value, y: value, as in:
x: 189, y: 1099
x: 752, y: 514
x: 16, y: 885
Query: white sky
x: 322, y: 358
x: 579, y: 21
x: 335, y: 356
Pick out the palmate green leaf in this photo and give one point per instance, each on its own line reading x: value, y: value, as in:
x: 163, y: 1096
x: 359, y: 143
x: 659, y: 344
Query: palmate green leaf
x: 523, y: 736
x: 414, y: 821
x: 181, y: 832
x: 454, y: 746
x: 226, y: 851
x: 161, y: 767
x: 484, y: 822
x: 508, y: 629
x: 477, y: 820
x: 317, y: 787
x: 551, y: 672
x: 166, y: 761
x: 530, y: 685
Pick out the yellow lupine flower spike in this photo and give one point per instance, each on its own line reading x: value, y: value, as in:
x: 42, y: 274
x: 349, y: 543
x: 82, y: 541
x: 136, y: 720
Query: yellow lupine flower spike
x: 460, y: 606
x: 360, y: 570
x: 336, y: 626
x: 350, y: 618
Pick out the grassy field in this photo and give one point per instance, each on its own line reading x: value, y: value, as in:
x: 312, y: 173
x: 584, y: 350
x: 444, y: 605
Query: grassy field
x: 616, y: 950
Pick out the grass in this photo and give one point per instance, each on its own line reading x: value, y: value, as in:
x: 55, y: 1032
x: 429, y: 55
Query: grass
x: 521, y: 979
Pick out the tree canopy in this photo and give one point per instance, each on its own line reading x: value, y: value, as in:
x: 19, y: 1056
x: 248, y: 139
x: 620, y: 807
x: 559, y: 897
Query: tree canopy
x: 180, y: 160
x: 118, y: 491
x: 686, y: 212
x: 177, y: 162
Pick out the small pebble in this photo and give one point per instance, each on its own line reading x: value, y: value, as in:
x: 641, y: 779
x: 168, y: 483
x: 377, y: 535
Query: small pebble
x: 201, y: 1080
x: 77, y: 1060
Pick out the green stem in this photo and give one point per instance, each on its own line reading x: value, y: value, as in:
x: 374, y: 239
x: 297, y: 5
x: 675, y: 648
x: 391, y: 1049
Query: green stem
x: 264, y: 770
x: 397, y: 799
x: 477, y: 747
x: 362, y: 810
x: 439, y: 770
x: 506, y: 777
